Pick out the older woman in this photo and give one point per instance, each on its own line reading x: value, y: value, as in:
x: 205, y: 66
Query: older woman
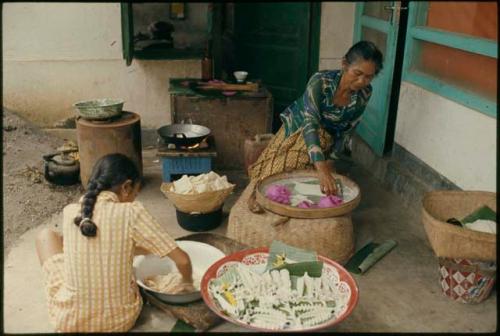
x: 319, y: 123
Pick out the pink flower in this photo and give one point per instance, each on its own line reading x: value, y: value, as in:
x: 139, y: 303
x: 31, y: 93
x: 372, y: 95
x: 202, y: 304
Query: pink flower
x: 330, y: 201
x: 306, y: 205
x: 278, y: 193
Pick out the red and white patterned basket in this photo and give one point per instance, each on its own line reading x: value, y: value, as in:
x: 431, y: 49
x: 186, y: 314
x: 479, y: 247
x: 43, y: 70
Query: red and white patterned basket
x: 465, y: 280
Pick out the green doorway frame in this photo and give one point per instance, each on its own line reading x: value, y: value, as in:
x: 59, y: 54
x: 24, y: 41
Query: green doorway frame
x: 377, y: 129
x: 314, y: 37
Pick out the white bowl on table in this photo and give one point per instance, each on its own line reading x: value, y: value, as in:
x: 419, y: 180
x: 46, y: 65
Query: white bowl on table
x: 202, y: 257
x: 240, y: 76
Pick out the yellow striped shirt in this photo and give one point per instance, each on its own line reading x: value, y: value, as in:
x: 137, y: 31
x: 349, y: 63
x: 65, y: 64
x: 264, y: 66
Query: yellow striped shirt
x: 97, y: 291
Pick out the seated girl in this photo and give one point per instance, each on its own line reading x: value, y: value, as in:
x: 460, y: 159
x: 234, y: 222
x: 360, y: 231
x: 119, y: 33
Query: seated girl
x: 88, y: 271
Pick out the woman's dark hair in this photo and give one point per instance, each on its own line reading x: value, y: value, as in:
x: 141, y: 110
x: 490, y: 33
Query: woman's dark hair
x: 365, y: 50
x: 109, y: 171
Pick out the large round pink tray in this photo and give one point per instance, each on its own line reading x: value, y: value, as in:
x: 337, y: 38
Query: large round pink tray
x: 257, y: 256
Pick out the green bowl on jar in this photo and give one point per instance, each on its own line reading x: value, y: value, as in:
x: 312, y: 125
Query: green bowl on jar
x: 99, y: 109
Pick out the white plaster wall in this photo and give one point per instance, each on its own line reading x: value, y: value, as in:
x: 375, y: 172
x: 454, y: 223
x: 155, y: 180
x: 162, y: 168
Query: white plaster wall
x: 337, y: 30
x: 55, y: 54
x: 45, y: 91
x: 457, y: 142
x: 61, y: 31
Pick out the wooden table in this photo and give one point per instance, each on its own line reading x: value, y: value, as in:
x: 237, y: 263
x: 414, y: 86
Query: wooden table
x: 230, y: 119
x: 197, y: 314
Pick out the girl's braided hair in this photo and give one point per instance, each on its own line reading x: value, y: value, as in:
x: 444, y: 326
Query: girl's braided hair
x: 110, y: 171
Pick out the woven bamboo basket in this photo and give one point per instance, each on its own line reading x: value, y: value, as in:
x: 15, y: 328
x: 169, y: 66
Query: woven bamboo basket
x: 450, y: 241
x: 197, y: 203
x: 291, y: 211
x: 332, y: 237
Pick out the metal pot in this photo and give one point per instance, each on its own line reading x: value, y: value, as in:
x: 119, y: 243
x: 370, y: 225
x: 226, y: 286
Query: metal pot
x: 183, y: 134
x: 199, y: 222
x: 61, y: 170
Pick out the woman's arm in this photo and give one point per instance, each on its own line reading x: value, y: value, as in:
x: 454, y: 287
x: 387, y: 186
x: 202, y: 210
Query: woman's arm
x: 183, y: 263
x: 150, y: 237
x: 312, y: 117
x: 181, y: 259
x: 140, y: 251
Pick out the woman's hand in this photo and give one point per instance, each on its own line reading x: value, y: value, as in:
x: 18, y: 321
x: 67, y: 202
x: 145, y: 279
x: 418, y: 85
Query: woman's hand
x: 186, y: 287
x: 183, y: 263
x: 326, y: 180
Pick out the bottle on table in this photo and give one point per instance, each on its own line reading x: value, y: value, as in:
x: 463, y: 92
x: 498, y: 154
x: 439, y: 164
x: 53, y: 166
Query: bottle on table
x: 206, y: 65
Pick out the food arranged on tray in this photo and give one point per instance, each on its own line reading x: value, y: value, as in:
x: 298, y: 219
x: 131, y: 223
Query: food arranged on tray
x: 305, y: 193
x: 281, y: 288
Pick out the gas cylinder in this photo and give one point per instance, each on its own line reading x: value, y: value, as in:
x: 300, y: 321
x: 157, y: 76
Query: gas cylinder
x: 99, y: 138
x: 254, y: 147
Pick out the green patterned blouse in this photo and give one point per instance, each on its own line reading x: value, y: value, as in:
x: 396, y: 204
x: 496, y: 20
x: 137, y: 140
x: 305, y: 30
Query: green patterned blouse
x: 315, y: 108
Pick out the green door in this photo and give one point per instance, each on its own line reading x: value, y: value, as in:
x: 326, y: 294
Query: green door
x: 278, y: 44
x: 127, y: 32
x: 378, y: 22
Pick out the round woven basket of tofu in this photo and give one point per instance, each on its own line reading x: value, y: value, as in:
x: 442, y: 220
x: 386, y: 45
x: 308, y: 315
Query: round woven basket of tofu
x: 200, y: 194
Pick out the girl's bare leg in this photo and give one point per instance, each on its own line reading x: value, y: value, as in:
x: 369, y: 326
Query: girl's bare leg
x: 48, y: 243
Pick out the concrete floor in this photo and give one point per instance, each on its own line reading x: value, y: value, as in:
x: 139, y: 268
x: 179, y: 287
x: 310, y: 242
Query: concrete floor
x: 401, y: 293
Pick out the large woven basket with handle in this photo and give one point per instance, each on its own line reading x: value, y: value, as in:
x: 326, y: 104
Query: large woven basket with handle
x: 331, y: 237
x: 451, y: 241
x: 196, y: 203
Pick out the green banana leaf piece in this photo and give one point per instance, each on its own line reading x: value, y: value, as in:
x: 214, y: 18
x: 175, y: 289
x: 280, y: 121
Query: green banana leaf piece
x: 368, y: 256
x: 378, y: 253
x: 311, y: 182
x: 281, y: 253
x: 313, y: 268
x: 181, y: 326
x: 484, y: 212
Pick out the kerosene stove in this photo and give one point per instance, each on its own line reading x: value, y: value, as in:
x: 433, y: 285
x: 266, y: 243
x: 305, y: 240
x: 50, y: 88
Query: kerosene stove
x: 189, y: 160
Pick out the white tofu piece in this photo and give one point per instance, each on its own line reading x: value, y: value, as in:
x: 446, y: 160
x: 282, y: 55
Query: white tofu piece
x: 199, y: 179
x: 201, y: 187
x: 483, y: 225
x: 220, y: 183
x: 212, y: 176
x: 308, y: 189
x: 183, y: 185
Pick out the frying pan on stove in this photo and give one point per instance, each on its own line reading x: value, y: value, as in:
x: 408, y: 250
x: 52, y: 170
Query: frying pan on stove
x: 183, y: 134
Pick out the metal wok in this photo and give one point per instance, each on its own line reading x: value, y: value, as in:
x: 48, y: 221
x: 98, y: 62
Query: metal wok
x: 183, y: 134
